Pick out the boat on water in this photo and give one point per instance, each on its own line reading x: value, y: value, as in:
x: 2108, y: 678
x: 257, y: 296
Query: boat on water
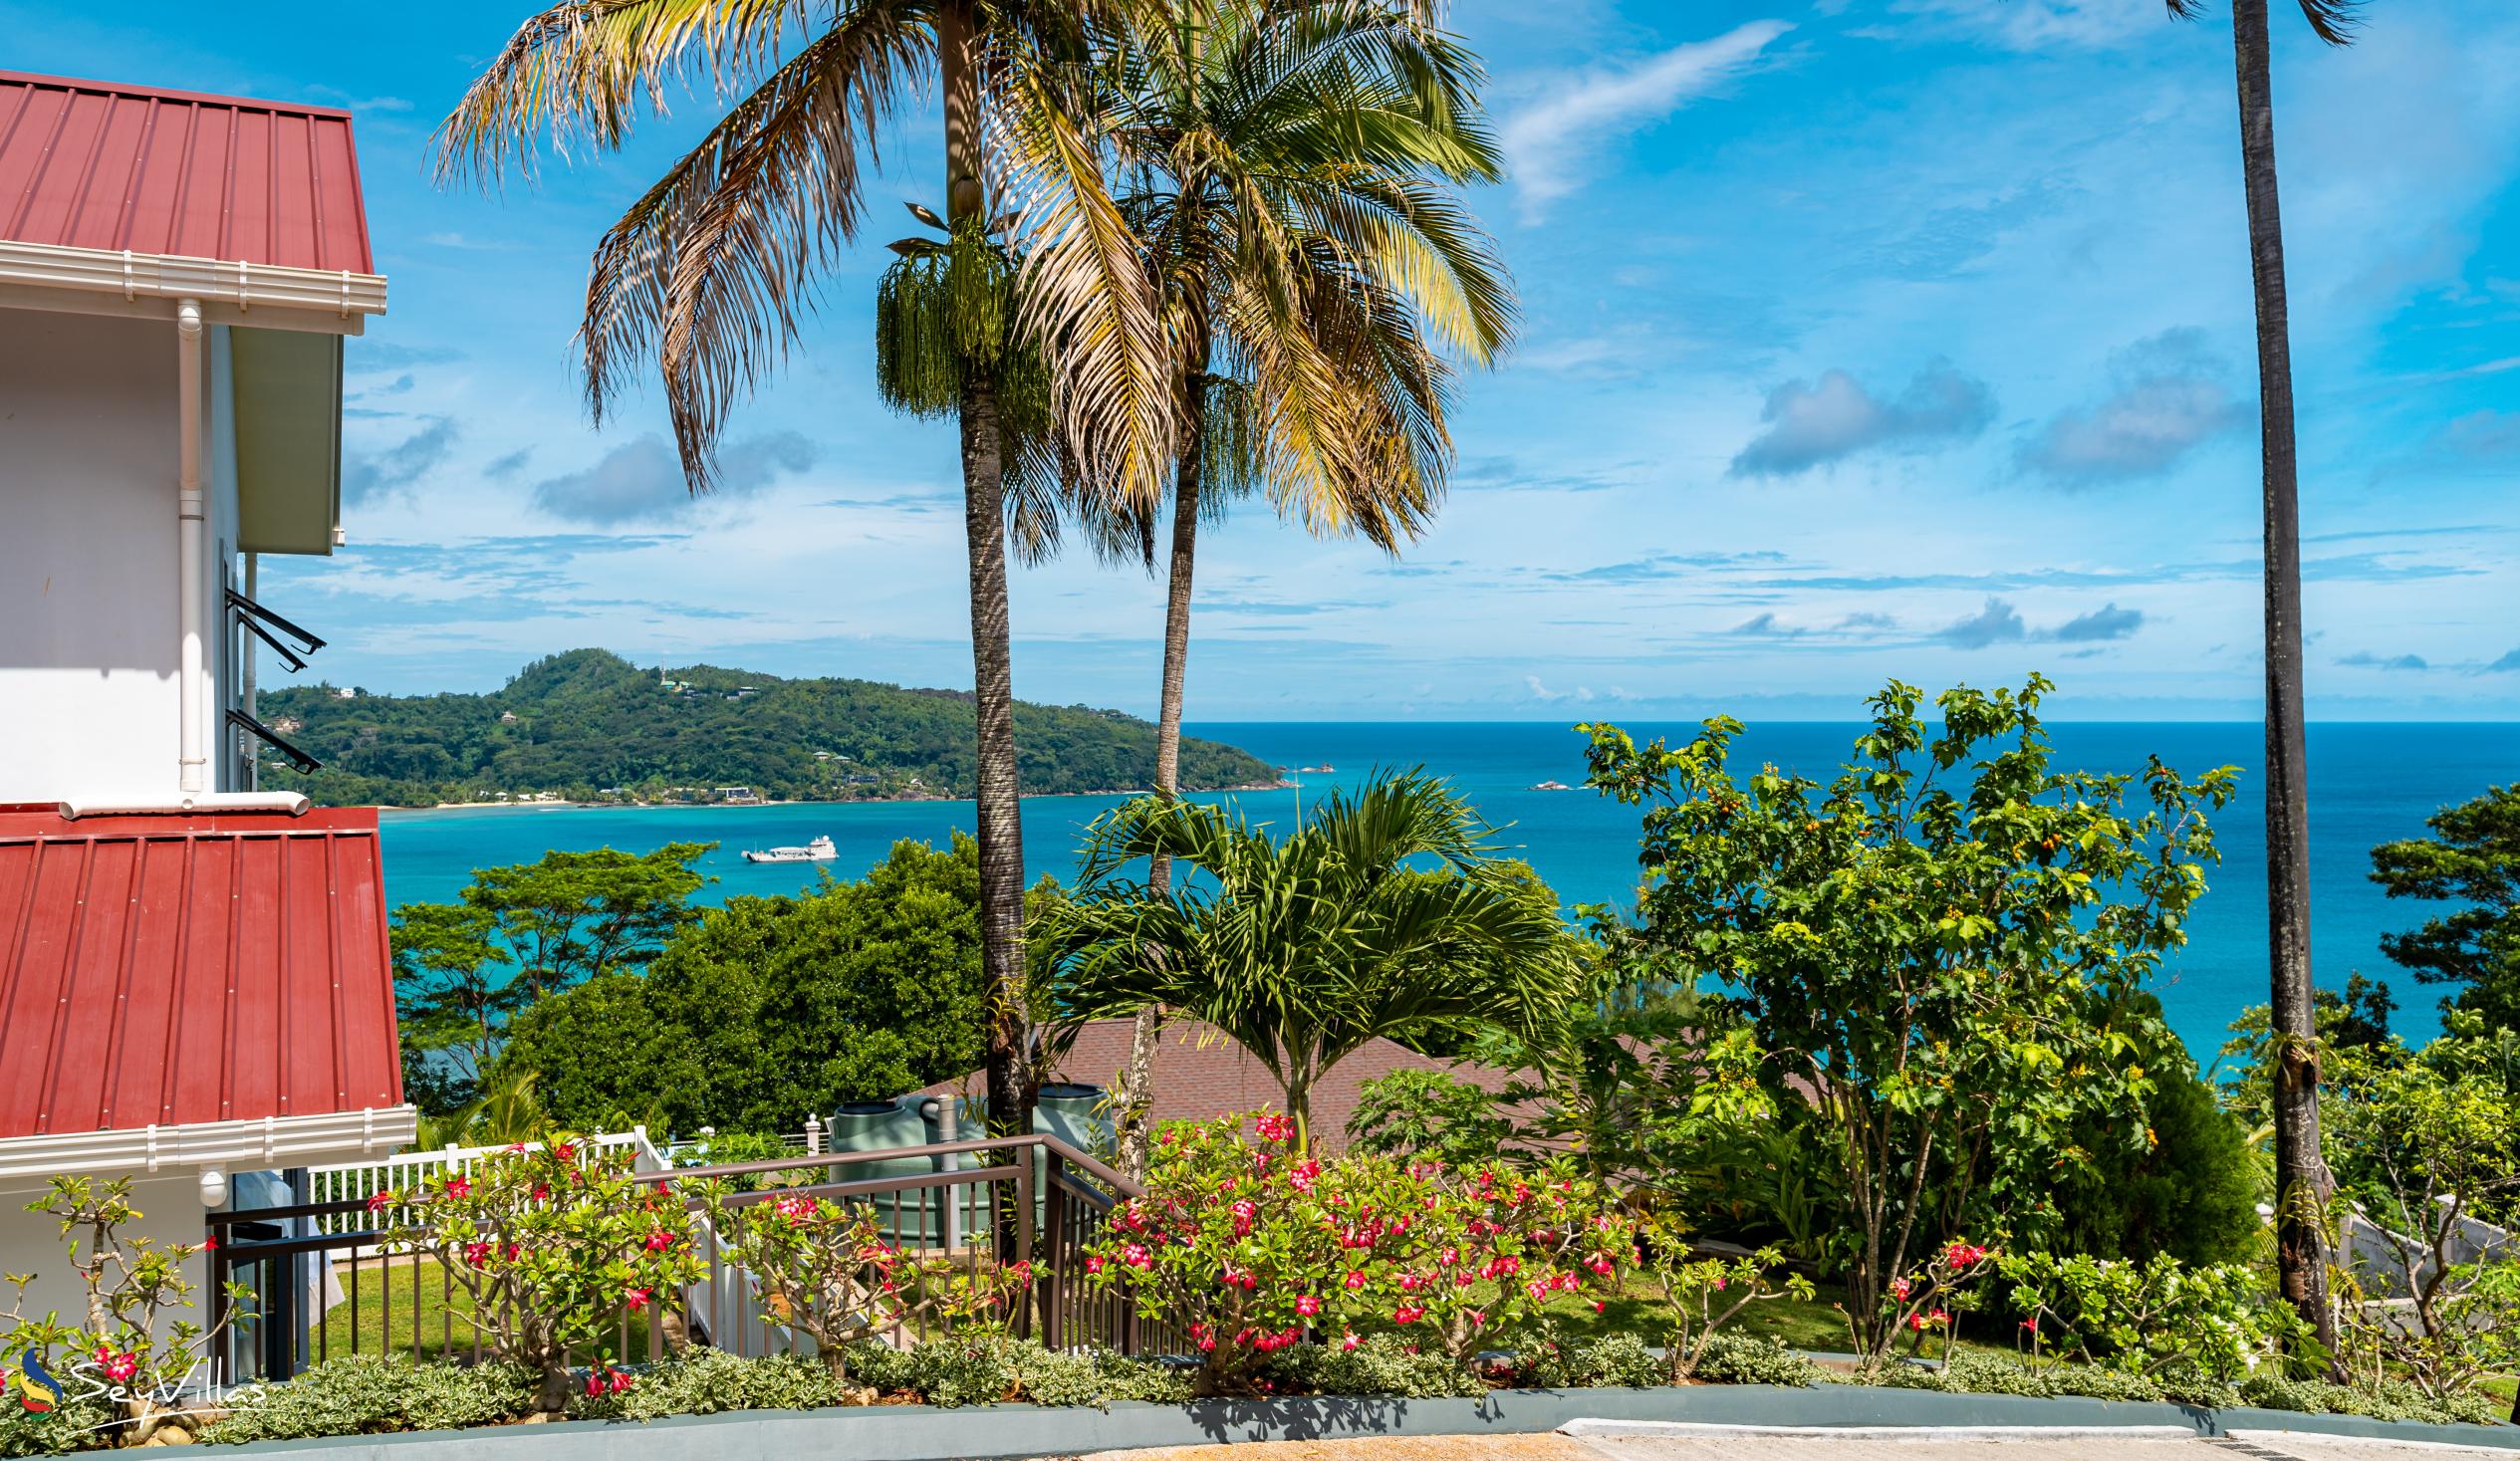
x: 1551, y: 786
x: 820, y: 849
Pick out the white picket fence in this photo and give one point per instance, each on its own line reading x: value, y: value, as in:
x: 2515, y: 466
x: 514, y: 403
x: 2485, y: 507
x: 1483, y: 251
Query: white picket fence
x: 405, y: 1173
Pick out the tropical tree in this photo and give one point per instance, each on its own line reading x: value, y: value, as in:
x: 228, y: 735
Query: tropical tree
x: 712, y: 271
x: 1286, y: 164
x: 2302, y: 1177
x: 2472, y: 861
x: 1302, y: 949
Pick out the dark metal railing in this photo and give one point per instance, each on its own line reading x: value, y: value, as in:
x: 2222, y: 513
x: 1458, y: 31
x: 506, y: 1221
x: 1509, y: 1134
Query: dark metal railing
x: 1034, y: 1198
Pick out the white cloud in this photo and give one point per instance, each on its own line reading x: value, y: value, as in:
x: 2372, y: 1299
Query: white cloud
x: 642, y: 480
x: 1544, y: 142
x: 1834, y: 418
x: 2169, y: 397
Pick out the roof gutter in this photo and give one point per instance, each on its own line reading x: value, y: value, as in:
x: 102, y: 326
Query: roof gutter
x: 238, y: 283
x: 251, y: 1144
x: 293, y: 803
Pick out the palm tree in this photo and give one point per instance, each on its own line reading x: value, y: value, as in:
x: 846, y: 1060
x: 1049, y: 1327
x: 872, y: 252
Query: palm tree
x: 1286, y: 166
x: 1303, y: 950
x: 2303, y: 1183
x: 712, y: 269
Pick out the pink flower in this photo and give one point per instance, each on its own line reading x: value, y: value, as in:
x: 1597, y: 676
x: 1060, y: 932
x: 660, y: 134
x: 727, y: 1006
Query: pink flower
x: 1094, y: 1263
x: 380, y: 1201
x: 1538, y: 1290
x: 620, y: 1381
x: 658, y: 1240
x: 1408, y: 1314
x: 1598, y: 1306
x: 460, y: 1187
x: 1354, y: 1278
x: 1308, y: 1306
x: 1275, y: 1127
x: 1602, y: 1266
x: 638, y: 1298
x: 1136, y: 1256
x: 476, y: 1254
x: 1351, y: 1340
x: 1898, y: 1288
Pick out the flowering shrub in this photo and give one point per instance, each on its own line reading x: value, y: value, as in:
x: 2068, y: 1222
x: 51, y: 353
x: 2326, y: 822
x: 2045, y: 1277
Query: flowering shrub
x: 826, y: 1270
x: 2146, y: 1318
x: 554, y: 1246
x: 1706, y: 1295
x: 1256, y: 1244
x: 124, y: 1352
x: 1921, y: 1303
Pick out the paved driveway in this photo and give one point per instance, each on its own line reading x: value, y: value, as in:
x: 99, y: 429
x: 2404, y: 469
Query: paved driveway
x: 1842, y: 1445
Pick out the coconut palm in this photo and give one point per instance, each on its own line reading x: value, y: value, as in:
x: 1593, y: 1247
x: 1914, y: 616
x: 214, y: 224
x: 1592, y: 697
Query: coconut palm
x: 713, y: 268
x: 1383, y: 915
x: 2302, y: 1176
x: 1288, y: 166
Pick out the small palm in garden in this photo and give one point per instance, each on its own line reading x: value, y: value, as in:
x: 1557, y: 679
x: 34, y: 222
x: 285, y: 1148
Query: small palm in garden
x: 555, y: 1246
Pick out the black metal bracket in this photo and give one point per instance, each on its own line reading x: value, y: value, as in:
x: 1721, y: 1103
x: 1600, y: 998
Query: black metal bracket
x: 253, y: 616
x: 271, y: 738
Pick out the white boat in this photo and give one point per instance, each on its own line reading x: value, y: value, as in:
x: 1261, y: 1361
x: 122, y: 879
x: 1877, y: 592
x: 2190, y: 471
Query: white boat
x: 818, y: 850
x: 1551, y: 786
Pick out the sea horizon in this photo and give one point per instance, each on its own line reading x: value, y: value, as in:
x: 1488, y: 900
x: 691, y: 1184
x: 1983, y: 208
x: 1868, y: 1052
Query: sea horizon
x: 2370, y: 782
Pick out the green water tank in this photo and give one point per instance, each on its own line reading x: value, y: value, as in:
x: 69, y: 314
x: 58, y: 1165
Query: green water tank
x: 886, y: 1125
x: 1074, y: 1114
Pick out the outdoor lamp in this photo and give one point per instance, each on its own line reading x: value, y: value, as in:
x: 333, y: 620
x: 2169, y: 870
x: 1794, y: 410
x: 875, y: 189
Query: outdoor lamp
x: 213, y: 1187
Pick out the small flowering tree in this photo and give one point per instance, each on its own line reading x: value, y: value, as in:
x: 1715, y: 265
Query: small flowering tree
x: 826, y: 1270
x: 1257, y: 1244
x: 554, y: 1246
x: 2151, y: 1316
x: 1922, y: 1303
x: 1705, y: 1294
x: 126, y: 1343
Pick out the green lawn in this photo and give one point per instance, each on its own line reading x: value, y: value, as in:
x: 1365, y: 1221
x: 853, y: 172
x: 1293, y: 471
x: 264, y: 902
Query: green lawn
x: 403, y: 1304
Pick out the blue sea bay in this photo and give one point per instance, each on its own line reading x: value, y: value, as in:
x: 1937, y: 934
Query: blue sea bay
x: 2369, y: 783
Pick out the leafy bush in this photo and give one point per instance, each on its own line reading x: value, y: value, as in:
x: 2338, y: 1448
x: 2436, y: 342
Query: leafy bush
x: 1429, y: 1113
x: 982, y: 1368
x: 825, y: 1271
x: 76, y: 1427
x: 1747, y: 1359
x: 2151, y: 1316
x: 701, y: 1381
x: 2186, y: 1188
x: 1254, y: 1247
x: 2388, y: 1399
x: 554, y: 1246
x: 1990, y: 1375
x: 1705, y: 1295
x: 1380, y: 1365
x: 364, y: 1394
x: 1612, y: 1359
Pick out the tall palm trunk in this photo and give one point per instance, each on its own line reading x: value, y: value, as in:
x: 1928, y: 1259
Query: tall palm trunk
x: 999, y: 797
x: 1137, y: 1097
x: 2302, y: 1181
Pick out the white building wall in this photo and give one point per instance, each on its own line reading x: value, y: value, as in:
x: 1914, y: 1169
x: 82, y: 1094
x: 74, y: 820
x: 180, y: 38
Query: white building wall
x: 89, y: 622
x: 31, y: 1243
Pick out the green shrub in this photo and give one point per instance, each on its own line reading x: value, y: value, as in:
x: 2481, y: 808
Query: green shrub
x: 365, y: 1395
x: 2388, y: 1399
x: 73, y: 1427
x: 705, y: 1381
x: 1612, y: 1359
x: 983, y: 1368
x: 1747, y: 1359
x: 1992, y: 1375
x: 1380, y: 1365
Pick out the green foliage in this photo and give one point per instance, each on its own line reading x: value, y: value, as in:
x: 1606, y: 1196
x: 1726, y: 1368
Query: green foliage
x: 1705, y: 1294
x: 1612, y: 1359
x: 2384, y: 1399
x: 2150, y: 1317
x: 367, y: 1394
x: 554, y: 1246
x: 2357, y: 1019
x: 982, y: 1368
x: 2187, y: 1191
x: 1754, y: 1359
x: 824, y: 1272
x: 1992, y: 1375
x: 1253, y: 1245
x: 772, y: 1007
x: 588, y: 720
x: 1434, y: 1115
x: 705, y: 1382
x: 2472, y: 861
x: 1932, y: 951
x: 1383, y: 1365
x: 77, y: 1425
x: 1305, y: 949
x: 462, y: 971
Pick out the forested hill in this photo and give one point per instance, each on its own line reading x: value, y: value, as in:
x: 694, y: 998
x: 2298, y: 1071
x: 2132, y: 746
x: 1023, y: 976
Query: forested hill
x: 588, y: 721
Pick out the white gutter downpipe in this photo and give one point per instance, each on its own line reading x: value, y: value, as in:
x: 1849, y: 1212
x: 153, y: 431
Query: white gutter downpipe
x: 249, y: 755
x: 190, y: 523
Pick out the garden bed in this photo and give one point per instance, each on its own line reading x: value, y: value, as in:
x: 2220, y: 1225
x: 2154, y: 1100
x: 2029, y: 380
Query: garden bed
x: 927, y: 1433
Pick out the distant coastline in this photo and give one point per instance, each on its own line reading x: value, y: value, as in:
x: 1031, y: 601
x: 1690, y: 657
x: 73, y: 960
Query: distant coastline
x: 565, y: 804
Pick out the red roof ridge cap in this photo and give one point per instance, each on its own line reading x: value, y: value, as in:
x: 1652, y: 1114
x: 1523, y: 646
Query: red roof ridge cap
x: 169, y: 94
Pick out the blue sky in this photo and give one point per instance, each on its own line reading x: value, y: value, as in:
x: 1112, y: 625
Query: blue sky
x: 1863, y: 338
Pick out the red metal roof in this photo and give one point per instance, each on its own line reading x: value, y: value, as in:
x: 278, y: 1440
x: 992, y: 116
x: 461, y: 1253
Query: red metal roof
x: 165, y: 970
x: 96, y: 165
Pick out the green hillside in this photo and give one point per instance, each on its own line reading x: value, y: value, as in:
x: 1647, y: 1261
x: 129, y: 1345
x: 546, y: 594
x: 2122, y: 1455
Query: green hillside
x: 586, y: 722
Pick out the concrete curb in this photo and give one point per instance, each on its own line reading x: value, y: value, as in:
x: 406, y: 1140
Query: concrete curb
x: 982, y: 1433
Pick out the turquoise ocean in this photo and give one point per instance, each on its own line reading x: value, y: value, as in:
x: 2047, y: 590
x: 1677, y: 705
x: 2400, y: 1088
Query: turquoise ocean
x: 2369, y: 783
